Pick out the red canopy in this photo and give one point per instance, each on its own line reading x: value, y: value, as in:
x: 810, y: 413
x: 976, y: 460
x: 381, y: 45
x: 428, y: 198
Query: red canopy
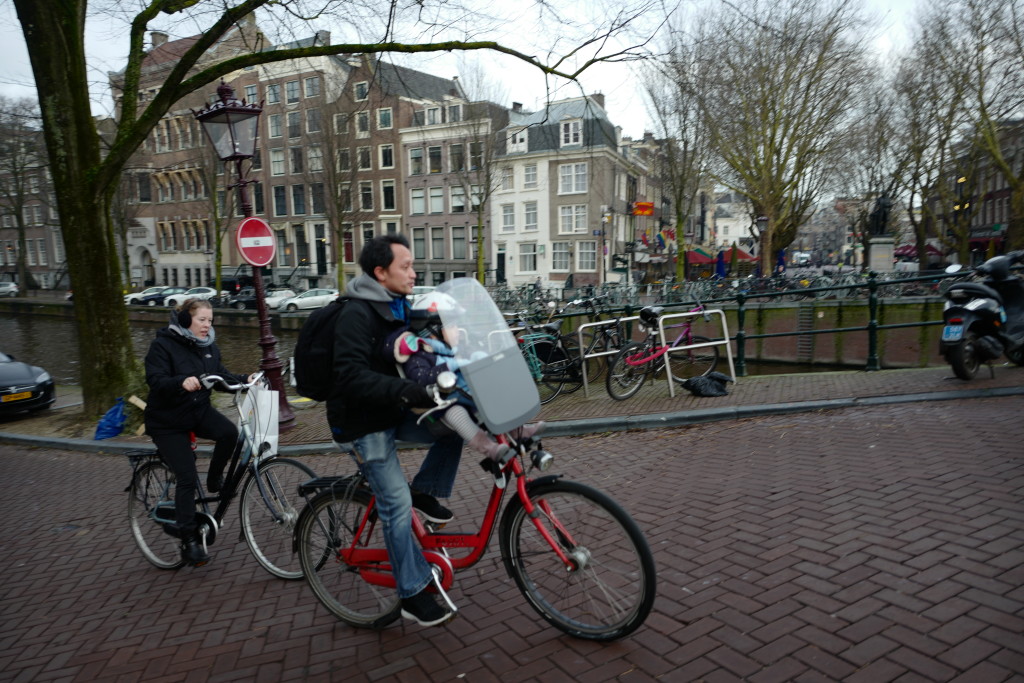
x: 740, y: 255
x: 911, y: 250
x: 696, y: 258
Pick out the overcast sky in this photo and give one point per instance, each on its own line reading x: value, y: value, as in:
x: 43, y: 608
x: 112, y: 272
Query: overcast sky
x: 519, y: 82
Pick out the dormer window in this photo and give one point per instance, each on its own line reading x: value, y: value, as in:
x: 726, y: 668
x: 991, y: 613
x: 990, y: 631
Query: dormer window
x: 572, y: 132
x: 517, y: 141
x: 433, y: 115
x: 362, y: 91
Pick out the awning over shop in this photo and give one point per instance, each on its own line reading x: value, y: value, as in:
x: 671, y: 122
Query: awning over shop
x: 911, y: 250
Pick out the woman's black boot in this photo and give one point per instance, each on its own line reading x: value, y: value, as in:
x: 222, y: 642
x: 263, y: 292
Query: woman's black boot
x: 192, y: 550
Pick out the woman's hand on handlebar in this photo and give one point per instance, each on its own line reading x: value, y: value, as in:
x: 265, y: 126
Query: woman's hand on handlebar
x: 191, y: 384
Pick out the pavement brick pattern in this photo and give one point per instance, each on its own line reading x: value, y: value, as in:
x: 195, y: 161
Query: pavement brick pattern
x: 879, y: 543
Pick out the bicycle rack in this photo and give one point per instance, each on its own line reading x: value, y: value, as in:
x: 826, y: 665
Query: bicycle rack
x: 724, y: 341
x: 581, y: 346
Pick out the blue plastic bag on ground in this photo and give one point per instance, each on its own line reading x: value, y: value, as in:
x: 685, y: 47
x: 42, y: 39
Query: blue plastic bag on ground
x: 112, y: 422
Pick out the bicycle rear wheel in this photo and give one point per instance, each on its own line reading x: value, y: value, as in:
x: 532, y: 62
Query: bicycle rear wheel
x: 270, y: 508
x: 327, y: 524
x: 609, y: 591
x: 153, y: 487
x: 693, y: 362
x: 552, y: 370
x: 623, y: 379
x: 573, y: 372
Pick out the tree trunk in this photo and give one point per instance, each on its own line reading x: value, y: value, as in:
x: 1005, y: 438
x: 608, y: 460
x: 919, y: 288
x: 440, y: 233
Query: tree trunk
x: 54, y: 33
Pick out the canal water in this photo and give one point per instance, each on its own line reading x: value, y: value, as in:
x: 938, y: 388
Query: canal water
x: 52, y: 343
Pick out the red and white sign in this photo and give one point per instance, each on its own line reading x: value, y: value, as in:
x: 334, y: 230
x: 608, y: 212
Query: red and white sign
x: 255, y: 241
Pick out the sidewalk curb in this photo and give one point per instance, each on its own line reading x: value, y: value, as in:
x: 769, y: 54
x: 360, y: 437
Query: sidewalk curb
x: 577, y: 427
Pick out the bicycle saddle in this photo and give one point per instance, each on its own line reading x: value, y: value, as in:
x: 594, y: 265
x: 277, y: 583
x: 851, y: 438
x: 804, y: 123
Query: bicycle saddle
x: 650, y: 314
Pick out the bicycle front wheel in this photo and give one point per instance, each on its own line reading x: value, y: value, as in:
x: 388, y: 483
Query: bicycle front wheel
x: 609, y: 590
x: 152, y: 488
x: 330, y: 522
x: 689, y: 363
x: 270, y: 508
x: 623, y: 379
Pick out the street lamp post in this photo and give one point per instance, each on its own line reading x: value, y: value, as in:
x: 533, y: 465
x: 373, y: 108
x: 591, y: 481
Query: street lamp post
x: 232, y: 128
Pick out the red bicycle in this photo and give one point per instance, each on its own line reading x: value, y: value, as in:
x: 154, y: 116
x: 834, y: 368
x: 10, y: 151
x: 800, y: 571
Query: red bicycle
x: 578, y: 557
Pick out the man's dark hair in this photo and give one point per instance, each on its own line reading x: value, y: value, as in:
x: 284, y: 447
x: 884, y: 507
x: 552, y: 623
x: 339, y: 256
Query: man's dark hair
x: 378, y: 252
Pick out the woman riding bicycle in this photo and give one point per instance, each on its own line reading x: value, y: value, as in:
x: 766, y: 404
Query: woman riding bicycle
x: 179, y: 406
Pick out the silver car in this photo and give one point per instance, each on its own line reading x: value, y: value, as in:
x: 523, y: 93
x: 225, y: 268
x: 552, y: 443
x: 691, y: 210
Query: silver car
x: 9, y: 289
x: 311, y: 298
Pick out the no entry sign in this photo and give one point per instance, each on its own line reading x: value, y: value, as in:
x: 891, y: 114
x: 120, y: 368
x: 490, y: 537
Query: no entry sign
x: 255, y: 241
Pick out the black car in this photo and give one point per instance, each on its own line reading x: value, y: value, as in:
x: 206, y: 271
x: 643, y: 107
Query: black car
x: 24, y: 387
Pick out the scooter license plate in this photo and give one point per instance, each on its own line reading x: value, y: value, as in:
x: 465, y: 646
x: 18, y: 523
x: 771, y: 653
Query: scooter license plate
x: 952, y: 333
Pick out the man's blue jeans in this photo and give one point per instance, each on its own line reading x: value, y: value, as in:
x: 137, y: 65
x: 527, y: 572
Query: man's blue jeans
x: 377, y: 457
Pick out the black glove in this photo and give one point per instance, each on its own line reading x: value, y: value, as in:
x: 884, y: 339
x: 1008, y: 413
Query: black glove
x: 415, y: 396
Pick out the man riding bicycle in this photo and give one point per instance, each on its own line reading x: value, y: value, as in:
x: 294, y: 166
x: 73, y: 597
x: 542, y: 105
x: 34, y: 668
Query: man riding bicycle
x: 370, y: 409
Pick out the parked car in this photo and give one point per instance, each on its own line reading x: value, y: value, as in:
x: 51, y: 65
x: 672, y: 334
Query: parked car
x: 178, y: 298
x: 24, y: 387
x: 136, y: 298
x: 158, y: 298
x: 311, y: 298
x: 247, y: 298
x: 9, y: 289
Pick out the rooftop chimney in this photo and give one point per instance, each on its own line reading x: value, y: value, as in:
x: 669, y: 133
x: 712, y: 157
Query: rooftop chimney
x: 517, y: 107
x: 598, y: 98
x: 158, y: 38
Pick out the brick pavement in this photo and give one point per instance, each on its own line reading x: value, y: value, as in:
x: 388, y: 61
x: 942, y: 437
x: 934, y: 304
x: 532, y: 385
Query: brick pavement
x: 872, y: 543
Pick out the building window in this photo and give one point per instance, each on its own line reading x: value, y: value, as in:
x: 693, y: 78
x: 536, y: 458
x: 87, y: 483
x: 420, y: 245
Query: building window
x: 586, y: 255
x: 418, y: 201
x: 299, y: 200
x: 528, y: 258
x: 316, y: 159
x: 517, y: 141
x: 251, y: 93
x: 145, y: 190
x: 437, y: 200
x: 344, y: 160
x: 257, y: 197
x: 341, y: 124
x: 458, y: 197
x: 345, y: 197
x: 434, y: 158
x: 277, y: 162
x: 454, y: 113
x: 507, y: 178
x: 384, y: 119
x: 419, y: 243
x: 458, y: 242
x: 387, y: 156
x: 273, y: 94
x: 366, y: 195
x: 296, y: 154
x: 294, y: 124
x: 365, y: 163
x: 456, y: 158
x: 316, y: 191
x: 571, y: 132
x: 572, y: 219
x: 572, y: 178
x: 476, y: 155
x: 313, y: 121
x: 312, y: 86
x: 291, y: 92
x: 530, y: 216
x: 274, y: 125
x: 363, y: 124
x: 387, y: 195
x: 508, y: 218
x: 560, y: 256
x: 530, y: 176
x: 416, y: 161
x: 475, y: 197
x: 362, y: 91
x: 280, y: 200
x: 437, y: 243
x: 433, y: 115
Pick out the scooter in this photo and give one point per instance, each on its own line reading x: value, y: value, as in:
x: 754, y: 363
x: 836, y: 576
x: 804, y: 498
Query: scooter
x: 984, y: 320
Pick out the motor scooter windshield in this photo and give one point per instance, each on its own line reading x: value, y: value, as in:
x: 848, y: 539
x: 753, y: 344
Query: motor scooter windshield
x: 490, y: 361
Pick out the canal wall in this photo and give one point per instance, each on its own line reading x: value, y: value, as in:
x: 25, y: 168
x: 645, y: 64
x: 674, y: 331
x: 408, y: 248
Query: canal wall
x: 915, y: 346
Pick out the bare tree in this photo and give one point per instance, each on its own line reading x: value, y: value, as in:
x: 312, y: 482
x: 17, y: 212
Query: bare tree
x: 85, y: 179
x: 22, y: 170
x: 774, y: 81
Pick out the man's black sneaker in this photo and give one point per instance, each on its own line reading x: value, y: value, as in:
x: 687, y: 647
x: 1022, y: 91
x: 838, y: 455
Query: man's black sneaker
x: 431, y: 509
x: 424, y: 610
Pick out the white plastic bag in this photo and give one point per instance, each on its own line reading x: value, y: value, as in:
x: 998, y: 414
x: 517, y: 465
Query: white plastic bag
x: 260, y: 414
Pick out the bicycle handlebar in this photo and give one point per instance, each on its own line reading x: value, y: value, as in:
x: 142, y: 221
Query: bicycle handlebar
x: 210, y: 381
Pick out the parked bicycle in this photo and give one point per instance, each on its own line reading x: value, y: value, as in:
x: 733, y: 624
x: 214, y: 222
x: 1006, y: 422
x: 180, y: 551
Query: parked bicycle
x: 268, y: 487
x: 639, y: 360
x: 599, y: 342
x: 579, y: 559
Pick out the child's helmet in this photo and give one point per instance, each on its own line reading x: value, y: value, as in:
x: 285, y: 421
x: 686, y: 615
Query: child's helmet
x: 427, y: 309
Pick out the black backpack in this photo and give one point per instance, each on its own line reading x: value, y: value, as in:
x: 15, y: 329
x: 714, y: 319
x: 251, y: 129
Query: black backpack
x: 314, y: 352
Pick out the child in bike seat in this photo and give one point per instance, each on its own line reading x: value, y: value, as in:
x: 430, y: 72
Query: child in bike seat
x: 424, y: 350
